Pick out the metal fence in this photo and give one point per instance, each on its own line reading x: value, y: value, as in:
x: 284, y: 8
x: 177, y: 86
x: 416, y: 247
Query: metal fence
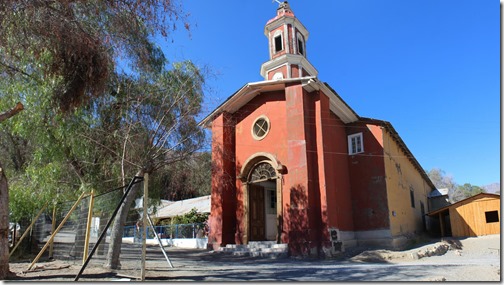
x: 60, y: 232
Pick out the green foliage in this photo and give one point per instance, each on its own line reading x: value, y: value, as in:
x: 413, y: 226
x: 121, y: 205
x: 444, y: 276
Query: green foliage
x: 467, y: 190
x: 192, y: 217
x: 77, y: 44
x: 456, y: 192
x: 142, y: 123
x: 23, y: 204
x: 86, y: 124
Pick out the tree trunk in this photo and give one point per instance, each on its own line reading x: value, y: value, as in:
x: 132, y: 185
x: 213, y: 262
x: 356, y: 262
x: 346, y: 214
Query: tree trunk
x: 4, y: 225
x: 103, y: 223
x: 114, y: 251
x: 4, y: 206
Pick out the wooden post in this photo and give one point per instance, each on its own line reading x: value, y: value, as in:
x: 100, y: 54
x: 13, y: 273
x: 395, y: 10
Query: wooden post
x: 144, y: 222
x: 56, y: 231
x: 53, y: 227
x: 88, y: 227
x: 28, y: 229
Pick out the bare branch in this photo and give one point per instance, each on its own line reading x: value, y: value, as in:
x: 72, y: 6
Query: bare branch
x: 4, y: 116
x: 108, y: 149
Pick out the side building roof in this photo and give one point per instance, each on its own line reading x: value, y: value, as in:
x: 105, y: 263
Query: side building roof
x: 475, y: 197
x: 438, y: 192
x: 178, y: 208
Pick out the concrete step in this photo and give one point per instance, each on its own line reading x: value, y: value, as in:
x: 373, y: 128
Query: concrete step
x: 269, y: 254
x: 266, y: 249
x: 261, y: 244
x: 236, y: 246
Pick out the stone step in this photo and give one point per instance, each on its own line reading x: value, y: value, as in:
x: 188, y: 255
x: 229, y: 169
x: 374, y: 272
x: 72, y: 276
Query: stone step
x: 236, y: 249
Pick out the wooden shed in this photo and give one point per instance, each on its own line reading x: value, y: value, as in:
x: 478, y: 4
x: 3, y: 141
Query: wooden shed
x: 475, y: 216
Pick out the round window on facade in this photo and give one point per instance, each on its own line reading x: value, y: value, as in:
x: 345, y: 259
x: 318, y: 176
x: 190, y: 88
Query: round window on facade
x: 260, y: 128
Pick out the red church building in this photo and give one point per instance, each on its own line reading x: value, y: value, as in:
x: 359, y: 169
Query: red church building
x: 293, y: 163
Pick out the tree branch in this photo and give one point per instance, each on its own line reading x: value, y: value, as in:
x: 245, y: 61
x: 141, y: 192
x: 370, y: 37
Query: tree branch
x: 4, y: 116
x: 17, y: 70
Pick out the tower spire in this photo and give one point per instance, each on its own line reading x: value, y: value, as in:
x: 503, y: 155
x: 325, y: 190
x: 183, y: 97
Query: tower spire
x: 287, y: 38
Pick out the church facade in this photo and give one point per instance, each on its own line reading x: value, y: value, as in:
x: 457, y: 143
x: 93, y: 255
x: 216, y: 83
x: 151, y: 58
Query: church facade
x: 293, y: 163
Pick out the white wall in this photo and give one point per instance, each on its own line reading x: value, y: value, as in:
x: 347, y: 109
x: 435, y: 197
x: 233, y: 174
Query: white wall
x: 177, y: 242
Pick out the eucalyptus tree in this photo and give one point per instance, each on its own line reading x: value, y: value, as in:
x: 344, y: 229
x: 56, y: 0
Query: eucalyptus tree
x: 71, y: 50
x: 153, y: 117
x: 4, y: 205
x: 79, y: 43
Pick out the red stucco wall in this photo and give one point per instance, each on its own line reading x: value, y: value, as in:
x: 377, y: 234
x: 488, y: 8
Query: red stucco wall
x: 271, y: 105
x: 323, y: 188
x: 296, y: 181
x: 282, y: 69
x: 335, y: 175
x: 222, y: 219
x: 295, y: 71
x: 368, y: 181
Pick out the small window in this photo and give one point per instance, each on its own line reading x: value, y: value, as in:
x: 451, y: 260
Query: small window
x: 492, y: 217
x: 260, y: 128
x: 278, y: 43
x: 300, y: 47
x: 412, y: 197
x: 355, y: 144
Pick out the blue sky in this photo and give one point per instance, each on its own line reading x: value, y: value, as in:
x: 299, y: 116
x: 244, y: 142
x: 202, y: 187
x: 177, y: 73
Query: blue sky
x: 431, y: 68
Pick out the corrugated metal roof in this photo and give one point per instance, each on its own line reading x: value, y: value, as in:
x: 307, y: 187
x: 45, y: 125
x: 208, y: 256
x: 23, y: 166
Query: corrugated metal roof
x: 178, y: 208
x: 438, y: 192
x: 477, y: 196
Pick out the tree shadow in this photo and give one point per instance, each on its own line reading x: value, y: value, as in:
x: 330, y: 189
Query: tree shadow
x: 297, y: 220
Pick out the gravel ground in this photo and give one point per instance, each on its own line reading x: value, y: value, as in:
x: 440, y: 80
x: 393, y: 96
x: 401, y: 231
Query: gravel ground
x: 468, y: 259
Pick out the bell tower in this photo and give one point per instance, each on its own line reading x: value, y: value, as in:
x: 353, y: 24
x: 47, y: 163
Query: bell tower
x: 287, y: 47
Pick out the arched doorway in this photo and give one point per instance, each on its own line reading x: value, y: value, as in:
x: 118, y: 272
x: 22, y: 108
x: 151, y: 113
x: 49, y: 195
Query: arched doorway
x: 261, y: 174
x: 262, y: 202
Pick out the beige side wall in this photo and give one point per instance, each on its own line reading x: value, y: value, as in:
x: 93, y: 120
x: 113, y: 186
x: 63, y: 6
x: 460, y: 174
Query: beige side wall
x: 469, y: 219
x: 401, y: 176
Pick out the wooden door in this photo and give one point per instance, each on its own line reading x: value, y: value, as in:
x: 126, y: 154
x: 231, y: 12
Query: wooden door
x: 257, y: 217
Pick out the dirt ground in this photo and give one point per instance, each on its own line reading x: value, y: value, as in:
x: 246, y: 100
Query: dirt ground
x: 468, y: 259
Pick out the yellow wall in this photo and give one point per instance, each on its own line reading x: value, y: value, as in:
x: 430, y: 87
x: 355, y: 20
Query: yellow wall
x: 468, y: 219
x: 401, y: 176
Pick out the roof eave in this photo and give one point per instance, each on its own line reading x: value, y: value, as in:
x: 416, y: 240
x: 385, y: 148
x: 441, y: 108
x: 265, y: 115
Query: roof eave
x: 247, y: 93
x: 403, y: 146
x: 310, y: 84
